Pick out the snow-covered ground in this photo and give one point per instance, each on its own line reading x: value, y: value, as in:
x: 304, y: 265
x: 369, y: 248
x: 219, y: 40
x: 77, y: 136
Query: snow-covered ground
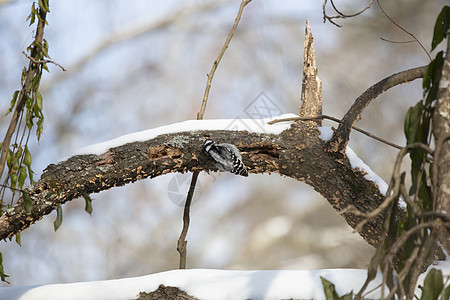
x: 205, y: 284
x: 214, y: 284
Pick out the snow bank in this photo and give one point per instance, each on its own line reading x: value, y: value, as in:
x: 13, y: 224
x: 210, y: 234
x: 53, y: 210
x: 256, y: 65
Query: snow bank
x: 215, y: 284
x: 205, y: 284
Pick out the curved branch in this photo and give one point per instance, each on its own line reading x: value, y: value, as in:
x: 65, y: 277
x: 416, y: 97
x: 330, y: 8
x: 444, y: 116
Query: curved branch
x: 297, y: 153
x: 354, y: 14
x: 340, y: 137
x: 339, y: 13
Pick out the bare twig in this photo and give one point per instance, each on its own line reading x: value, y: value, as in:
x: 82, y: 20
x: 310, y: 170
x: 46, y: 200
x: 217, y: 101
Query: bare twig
x: 425, y: 249
x: 374, y: 261
x: 340, y: 14
x: 181, y: 245
x: 401, y: 240
x: 444, y: 217
x: 43, y: 61
x: 403, y: 273
x: 352, y: 15
x: 12, y: 188
x: 219, y: 58
x: 339, y: 121
x: 404, y: 30
x: 327, y: 17
x: 340, y: 137
x: 397, y: 42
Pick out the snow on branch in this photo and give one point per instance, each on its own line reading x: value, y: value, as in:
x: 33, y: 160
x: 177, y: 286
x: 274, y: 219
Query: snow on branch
x: 250, y: 125
x: 292, y: 149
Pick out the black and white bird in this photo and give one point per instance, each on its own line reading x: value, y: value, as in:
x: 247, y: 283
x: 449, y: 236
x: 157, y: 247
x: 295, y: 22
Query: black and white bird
x: 225, y: 157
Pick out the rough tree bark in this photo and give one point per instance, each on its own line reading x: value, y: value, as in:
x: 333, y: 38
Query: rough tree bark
x: 311, y: 84
x: 297, y: 153
x: 441, y: 131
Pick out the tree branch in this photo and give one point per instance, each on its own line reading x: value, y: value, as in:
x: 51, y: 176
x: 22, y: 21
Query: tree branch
x: 441, y: 132
x: 45, y: 61
x: 219, y: 58
x: 340, y: 137
x: 297, y: 153
x: 340, y: 14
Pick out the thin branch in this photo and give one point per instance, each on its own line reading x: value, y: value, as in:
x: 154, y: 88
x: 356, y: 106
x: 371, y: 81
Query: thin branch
x: 181, y: 245
x: 401, y: 240
x: 327, y: 17
x: 397, y: 42
x: 444, y: 217
x: 404, y: 30
x: 340, y: 137
x: 12, y: 188
x: 340, y: 14
x: 425, y: 249
x: 219, y: 58
x: 402, y: 275
x: 352, y: 15
x: 43, y: 61
x: 375, y: 260
x: 338, y: 121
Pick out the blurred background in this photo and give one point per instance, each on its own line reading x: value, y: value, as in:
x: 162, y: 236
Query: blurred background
x: 135, y: 64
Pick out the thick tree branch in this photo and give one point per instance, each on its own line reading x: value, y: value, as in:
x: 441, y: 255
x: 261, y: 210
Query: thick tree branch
x: 297, y: 153
x: 441, y: 131
x: 340, y: 137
